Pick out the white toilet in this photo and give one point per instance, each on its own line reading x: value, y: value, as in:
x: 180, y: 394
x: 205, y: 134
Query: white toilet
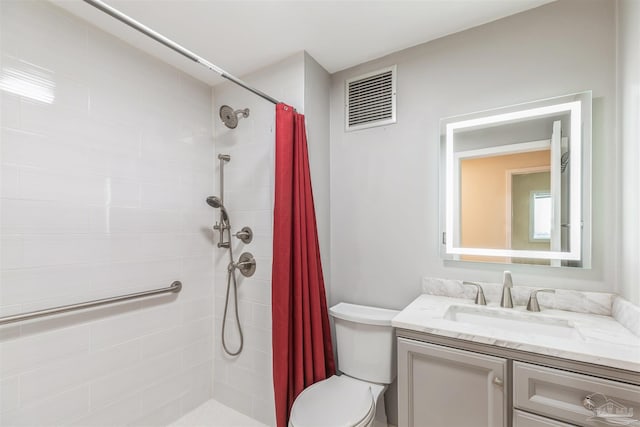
x: 367, y: 358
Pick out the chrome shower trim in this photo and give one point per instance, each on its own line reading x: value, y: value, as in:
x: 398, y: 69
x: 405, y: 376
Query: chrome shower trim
x: 245, y: 235
x: 216, y: 202
x: 230, y: 117
x: 223, y: 159
x: 246, y: 264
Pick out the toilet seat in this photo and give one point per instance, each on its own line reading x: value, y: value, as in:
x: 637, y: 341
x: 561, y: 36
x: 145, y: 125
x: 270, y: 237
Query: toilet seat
x: 336, y: 401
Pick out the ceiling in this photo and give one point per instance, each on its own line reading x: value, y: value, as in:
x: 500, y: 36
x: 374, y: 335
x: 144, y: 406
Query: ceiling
x: 243, y: 36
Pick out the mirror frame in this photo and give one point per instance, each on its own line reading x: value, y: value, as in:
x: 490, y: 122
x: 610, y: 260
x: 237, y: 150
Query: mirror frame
x: 579, y: 107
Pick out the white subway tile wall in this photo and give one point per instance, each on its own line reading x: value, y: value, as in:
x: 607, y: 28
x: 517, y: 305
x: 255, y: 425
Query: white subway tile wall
x: 245, y: 382
x: 107, y: 158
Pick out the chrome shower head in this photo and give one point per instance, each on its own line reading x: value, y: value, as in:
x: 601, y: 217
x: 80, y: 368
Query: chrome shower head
x: 215, y: 202
x: 229, y: 116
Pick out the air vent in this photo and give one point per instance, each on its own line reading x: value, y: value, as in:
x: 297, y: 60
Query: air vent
x: 371, y: 99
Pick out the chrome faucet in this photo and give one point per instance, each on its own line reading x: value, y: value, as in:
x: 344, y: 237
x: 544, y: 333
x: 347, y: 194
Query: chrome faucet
x: 507, y: 284
x: 533, y: 304
x: 480, y: 299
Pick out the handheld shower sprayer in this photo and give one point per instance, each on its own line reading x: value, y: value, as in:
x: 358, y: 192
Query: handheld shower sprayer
x: 224, y: 224
x: 215, y: 202
x: 246, y: 265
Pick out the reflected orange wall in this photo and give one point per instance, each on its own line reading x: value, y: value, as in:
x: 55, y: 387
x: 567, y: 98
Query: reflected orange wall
x: 483, y: 198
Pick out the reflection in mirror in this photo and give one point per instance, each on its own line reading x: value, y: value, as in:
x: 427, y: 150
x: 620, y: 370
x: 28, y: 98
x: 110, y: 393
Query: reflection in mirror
x: 515, y: 183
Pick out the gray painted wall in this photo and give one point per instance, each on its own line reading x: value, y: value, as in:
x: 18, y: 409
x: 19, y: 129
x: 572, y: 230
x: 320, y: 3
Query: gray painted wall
x: 384, y: 180
x: 316, y: 108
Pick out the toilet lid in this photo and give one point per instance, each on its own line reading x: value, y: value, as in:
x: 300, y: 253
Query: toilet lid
x: 336, y: 401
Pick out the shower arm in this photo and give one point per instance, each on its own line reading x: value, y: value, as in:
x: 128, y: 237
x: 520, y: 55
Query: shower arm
x: 125, y: 19
x: 244, y: 112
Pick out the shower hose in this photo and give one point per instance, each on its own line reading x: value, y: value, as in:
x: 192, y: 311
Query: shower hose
x: 231, y: 277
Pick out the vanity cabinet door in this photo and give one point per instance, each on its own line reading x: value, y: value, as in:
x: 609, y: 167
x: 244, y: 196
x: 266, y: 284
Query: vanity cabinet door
x: 442, y: 387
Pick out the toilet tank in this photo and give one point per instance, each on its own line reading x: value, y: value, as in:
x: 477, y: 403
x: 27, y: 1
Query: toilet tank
x: 365, y: 342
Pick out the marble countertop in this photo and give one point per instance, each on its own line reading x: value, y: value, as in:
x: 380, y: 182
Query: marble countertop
x: 586, y: 337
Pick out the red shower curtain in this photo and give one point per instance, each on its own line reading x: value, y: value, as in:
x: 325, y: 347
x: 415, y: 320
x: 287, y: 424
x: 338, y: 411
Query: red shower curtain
x: 302, y: 350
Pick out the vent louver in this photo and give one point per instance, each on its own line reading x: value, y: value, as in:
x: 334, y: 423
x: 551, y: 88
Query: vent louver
x: 371, y: 99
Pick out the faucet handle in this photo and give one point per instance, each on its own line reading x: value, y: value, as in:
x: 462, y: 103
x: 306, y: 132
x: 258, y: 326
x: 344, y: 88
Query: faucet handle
x: 533, y: 304
x: 480, y: 299
x: 507, y: 281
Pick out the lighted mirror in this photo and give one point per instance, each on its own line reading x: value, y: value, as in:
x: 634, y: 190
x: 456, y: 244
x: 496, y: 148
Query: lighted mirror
x: 517, y: 183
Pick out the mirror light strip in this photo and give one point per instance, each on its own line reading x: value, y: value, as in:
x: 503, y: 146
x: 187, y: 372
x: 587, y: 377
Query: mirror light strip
x: 515, y: 253
x: 575, y: 197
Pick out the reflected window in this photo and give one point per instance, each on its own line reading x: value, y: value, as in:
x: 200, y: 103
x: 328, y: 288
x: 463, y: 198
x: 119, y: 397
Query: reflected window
x: 541, y: 211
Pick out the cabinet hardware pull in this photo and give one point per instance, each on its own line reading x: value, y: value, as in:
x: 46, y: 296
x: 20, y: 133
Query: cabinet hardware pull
x: 497, y: 381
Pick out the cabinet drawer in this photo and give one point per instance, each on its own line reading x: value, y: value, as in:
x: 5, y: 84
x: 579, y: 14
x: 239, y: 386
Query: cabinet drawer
x: 559, y: 394
x: 524, y: 419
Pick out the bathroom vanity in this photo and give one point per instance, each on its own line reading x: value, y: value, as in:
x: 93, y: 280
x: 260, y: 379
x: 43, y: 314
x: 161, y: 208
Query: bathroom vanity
x: 461, y: 364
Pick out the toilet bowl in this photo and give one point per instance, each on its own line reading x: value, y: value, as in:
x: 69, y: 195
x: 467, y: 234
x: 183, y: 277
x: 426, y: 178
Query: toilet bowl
x: 366, y: 356
x: 340, y: 401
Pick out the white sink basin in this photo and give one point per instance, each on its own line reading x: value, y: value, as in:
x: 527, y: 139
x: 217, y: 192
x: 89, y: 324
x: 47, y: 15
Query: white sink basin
x: 512, y: 320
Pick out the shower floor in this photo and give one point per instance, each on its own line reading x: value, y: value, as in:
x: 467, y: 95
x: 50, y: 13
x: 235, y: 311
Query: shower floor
x: 214, y: 414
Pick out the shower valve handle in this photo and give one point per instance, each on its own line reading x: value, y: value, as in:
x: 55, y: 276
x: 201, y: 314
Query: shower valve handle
x: 246, y: 264
x: 245, y: 234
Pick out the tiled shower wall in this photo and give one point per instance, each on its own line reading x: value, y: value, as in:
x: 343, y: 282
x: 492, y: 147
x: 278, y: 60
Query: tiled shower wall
x: 107, y: 158
x: 244, y: 382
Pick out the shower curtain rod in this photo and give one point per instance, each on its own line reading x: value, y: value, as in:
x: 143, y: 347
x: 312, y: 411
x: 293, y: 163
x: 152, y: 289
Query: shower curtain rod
x: 115, y: 13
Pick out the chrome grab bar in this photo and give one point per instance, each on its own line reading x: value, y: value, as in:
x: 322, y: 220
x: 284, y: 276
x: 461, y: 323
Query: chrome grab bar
x: 174, y: 288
